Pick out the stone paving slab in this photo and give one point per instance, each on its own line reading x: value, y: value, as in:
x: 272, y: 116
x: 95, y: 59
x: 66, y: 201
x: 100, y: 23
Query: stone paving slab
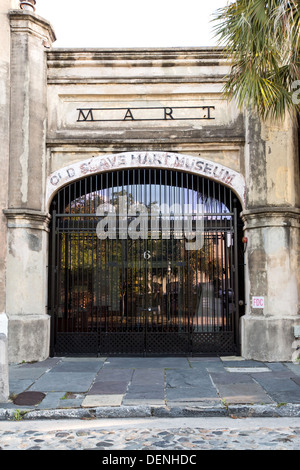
x: 293, y: 367
x: 146, y: 388
x: 147, y: 362
x: 281, y: 375
x: 139, y: 400
x: 55, y: 400
x: 108, y: 388
x: 102, y: 400
x: 46, y: 364
x: 232, y: 358
x: 192, y: 394
x: 286, y: 396
x: 211, y: 366
x: 170, y: 385
x: 204, y: 360
x: 243, y: 393
x: 274, y: 384
x: 78, y: 366
x: 19, y: 386
x: 243, y: 364
x: 296, y: 380
x: 71, y: 382
x: 225, y: 378
x: 277, y: 366
x: 119, y: 375
x: 248, y: 370
x: 187, y: 378
x: 26, y: 373
x: 144, y: 393
x: 149, y: 376
x: 282, y: 387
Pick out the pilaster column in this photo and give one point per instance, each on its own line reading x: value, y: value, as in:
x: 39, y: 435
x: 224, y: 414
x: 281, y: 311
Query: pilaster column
x: 5, y: 6
x: 31, y: 36
x: 27, y: 223
x: 272, y: 228
x: 26, y: 304
x: 272, y: 261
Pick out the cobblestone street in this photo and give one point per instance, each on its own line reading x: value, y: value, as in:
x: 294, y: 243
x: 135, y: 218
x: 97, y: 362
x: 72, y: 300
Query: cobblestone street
x: 148, y: 434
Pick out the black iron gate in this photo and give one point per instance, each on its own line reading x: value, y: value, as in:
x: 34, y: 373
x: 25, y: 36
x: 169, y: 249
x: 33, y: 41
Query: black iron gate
x: 144, y: 262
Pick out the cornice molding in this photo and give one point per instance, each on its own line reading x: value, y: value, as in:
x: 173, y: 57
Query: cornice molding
x: 27, y: 218
x: 269, y: 216
x: 28, y: 22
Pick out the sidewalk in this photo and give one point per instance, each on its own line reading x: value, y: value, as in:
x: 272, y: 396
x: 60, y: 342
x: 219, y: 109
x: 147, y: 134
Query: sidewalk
x: 155, y: 386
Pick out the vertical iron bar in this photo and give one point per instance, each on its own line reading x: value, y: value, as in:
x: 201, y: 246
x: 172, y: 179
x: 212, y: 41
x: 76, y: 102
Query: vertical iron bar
x: 235, y: 297
x: 66, y: 289
x: 72, y: 240
x: 58, y: 256
x: 197, y: 287
x: 223, y: 267
x: 134, y: 306
x: 52, y: 284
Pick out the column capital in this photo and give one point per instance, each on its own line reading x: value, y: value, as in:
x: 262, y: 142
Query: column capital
x: 268, y: 216
x: 27, y: 21
x: 27, y: 218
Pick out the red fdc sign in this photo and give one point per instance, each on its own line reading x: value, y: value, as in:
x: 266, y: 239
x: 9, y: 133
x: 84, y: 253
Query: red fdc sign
x: 258, y: 302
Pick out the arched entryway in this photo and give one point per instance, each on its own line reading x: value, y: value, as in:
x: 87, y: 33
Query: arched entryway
x: 145, y: 261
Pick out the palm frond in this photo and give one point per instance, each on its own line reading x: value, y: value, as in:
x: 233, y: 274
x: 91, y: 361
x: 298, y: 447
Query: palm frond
x: 262, y: 38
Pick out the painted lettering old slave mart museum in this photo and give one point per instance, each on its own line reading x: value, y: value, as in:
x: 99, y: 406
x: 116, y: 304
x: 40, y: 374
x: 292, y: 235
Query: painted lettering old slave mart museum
x: 141, y: 213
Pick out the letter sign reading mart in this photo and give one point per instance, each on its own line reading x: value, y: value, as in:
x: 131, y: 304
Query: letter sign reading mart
x: 258, y: 302
x: 150, y: 113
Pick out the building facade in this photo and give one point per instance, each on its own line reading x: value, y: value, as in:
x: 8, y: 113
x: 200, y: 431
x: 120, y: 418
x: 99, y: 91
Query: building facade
x: 141, y: 213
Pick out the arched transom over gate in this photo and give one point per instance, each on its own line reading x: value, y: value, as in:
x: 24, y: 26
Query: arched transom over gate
x: 162, y: 160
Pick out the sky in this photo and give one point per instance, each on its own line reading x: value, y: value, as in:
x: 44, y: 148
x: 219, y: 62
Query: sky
x: 130, y: 23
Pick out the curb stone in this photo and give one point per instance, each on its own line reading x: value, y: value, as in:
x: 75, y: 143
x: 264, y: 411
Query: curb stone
x: 268, y: 411
x: 243, y: 411
x: 124, y: 412
x: 184, y: 412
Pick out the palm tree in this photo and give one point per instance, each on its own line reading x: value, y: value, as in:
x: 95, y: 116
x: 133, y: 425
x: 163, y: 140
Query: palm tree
x: 262, y: 39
